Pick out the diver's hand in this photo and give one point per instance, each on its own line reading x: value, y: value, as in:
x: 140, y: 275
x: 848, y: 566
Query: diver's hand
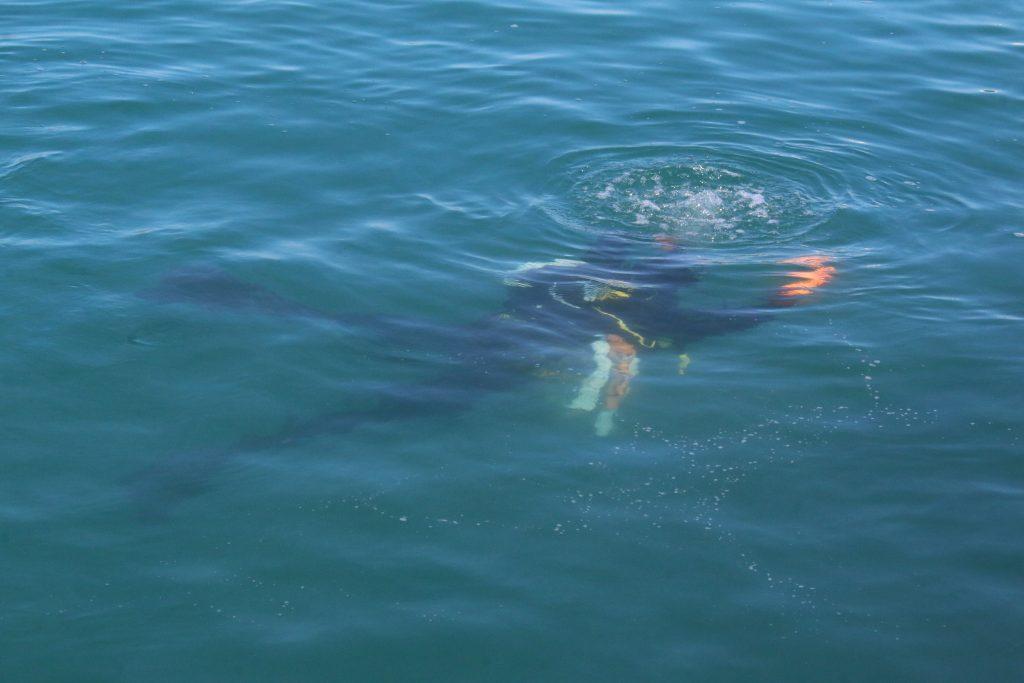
x: 818, y: 274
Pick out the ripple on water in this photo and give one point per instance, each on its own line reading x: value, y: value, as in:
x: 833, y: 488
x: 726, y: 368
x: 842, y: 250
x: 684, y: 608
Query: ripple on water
x: 701, y: 196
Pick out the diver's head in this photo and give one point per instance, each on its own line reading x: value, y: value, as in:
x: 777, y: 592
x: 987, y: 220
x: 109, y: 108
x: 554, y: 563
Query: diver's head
x: 666, y: 241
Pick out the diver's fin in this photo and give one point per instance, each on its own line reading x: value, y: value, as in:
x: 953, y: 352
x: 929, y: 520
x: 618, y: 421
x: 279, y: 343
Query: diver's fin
x: 215, y: 288
x: 156, y: 489
x: 212, y: 287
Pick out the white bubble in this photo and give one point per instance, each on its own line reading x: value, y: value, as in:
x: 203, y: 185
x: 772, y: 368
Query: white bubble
x: 699, y: 202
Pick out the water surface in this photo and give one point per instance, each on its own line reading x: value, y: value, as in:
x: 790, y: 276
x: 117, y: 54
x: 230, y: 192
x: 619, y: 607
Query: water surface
x: 836, y: 495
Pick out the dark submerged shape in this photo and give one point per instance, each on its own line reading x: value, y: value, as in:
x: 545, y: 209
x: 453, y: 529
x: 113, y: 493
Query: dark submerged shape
x: 622, y: 286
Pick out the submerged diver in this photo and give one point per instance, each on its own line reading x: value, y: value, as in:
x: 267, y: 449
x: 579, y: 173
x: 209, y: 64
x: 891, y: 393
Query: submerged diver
x: 627, y: 306
x: 621, y: 299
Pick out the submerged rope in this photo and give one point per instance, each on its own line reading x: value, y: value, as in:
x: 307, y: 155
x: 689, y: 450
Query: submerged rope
x: 625, y: 328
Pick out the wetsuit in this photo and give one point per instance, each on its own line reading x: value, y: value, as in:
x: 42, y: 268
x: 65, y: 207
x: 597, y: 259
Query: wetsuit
x: 628, y: 303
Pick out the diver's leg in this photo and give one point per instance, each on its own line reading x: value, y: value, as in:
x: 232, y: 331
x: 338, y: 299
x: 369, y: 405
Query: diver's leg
x: 214, y: 288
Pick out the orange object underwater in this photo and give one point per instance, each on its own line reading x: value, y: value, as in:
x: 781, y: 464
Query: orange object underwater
x: 807, y: 281
x: 622, y: 354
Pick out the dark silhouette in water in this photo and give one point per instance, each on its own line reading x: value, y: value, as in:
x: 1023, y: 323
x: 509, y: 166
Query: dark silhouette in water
x: 622, y: 293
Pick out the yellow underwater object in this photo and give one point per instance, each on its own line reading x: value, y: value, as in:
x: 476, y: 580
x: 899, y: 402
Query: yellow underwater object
x: 613, y: 294
x: 684, y: 362
x: 625, y: 328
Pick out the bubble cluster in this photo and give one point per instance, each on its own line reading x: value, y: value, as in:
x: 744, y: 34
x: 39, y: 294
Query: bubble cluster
x: 695, y: 202
x: 703, y: 199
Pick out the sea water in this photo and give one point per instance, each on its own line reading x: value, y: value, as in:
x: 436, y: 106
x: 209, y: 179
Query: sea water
x: 836, y: 495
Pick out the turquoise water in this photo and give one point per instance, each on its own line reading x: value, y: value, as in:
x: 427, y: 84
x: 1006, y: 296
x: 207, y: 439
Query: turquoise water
x: 834, y: 495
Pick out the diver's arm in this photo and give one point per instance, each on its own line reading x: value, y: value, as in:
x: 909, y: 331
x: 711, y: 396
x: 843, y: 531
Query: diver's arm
x: 683, y: 325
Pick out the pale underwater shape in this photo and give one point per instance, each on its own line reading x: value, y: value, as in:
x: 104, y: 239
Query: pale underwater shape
x: 590, y: 391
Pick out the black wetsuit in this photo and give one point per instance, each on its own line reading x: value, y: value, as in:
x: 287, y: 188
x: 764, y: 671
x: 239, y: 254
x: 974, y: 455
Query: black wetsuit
x: 620, y: 287
x: 611, y: 293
